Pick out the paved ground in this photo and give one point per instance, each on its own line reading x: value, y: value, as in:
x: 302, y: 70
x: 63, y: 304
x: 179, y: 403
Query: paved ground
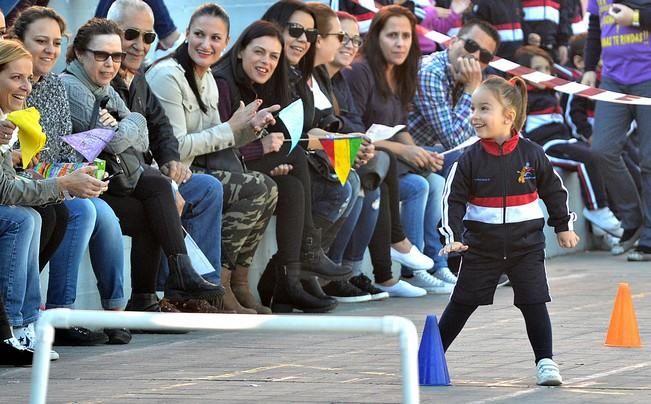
x: 490, y: 361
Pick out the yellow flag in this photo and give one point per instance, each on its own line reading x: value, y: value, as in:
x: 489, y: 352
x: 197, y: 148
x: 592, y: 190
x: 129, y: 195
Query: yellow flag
x: 30, y: 133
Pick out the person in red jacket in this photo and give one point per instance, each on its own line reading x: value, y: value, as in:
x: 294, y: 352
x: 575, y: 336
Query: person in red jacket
x: 491, y: 214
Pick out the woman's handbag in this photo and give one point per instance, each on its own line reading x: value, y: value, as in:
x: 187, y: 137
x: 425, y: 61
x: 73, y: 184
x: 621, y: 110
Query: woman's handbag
x: 127, y: 166
x: 319, y: 162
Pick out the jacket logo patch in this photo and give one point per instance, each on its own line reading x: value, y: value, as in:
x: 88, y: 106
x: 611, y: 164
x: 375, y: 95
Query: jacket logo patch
x: 526, y: 173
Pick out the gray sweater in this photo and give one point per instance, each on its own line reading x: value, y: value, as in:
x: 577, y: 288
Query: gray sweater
x: 82, y: 95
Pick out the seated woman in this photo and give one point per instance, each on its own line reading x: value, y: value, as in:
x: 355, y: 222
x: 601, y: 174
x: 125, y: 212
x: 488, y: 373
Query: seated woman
x: 20, y: 226
x: 383, y: 84
x: 91, y: 222
x: 189, y: 96
x: 148, y: 214
x: 379, y: 224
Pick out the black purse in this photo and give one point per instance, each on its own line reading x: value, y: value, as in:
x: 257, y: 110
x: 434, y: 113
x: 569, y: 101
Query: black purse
x: 126, y: 167
x: 320, y: 163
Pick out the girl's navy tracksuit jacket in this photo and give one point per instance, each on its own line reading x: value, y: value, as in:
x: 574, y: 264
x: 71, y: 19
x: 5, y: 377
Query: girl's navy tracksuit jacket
x: 491, y: 199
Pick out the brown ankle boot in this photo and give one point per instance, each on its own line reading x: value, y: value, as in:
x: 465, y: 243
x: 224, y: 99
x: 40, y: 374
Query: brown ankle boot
x: 240, y: 287
x: 230, y: 301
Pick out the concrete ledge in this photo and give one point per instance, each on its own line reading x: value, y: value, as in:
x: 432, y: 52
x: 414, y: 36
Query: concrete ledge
x: 88, y: 297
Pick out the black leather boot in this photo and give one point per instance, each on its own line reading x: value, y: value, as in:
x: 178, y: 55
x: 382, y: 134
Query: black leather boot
x: 313, y: 287
x: 267, y: 282
x: 289, y: 293
x: 184, y: 282
x: 314, y: 262
x: 143, y: 302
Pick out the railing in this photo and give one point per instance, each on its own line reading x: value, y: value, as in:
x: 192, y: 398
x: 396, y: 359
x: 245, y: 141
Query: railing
x: 65, y: 318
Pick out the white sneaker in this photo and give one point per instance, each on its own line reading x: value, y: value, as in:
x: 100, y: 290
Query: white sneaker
x: 423, y: 279
x: 605, y: 219
x: 403, y: 289
x: 414, y: 259
x: 445, y: 275
x: 547, y: 373
x: 26, y: 336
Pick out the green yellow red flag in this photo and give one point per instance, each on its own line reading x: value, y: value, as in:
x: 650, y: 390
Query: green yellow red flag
x: 341, y: 151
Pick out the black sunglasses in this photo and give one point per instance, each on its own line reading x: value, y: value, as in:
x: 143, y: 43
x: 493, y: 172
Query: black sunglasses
x: 340, y: 35
x: 102, y: 56
x: 148, y: 37
x: 471, y: 47
x: 296, y: 30
x: 355, y: 40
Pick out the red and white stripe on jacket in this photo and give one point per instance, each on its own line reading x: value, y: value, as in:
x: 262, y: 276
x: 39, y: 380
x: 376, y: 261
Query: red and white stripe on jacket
x: 510, y: 32
x: 499, y: 210
x: 541, y: 10
x: 542, y: 117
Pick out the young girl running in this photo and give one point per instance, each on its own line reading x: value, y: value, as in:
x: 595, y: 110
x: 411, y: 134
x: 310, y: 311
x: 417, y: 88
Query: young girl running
x: 492, y: 192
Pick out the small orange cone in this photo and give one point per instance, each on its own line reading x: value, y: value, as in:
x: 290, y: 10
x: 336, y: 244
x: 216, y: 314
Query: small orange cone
x: 623, y: 331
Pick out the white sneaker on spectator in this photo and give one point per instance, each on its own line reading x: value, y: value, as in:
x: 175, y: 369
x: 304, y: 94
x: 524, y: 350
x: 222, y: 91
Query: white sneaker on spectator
x: 423, y: 279
x: 445, y: 275
x: 403, y: 289
x: 605, y: 219
x: 547, y: 373
x: 27, y: 338
x: 414, y: 259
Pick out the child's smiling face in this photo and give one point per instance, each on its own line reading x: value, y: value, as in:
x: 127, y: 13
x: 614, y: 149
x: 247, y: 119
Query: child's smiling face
x: 489, y: 117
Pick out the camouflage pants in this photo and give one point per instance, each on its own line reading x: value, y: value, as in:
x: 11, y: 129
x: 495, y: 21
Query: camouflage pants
x: 249, y: 202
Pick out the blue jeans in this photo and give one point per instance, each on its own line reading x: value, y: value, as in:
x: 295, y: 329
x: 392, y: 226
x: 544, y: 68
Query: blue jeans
x: 202, y: 217
x: 350, y: 215
x: 363, y: 231
x: 20, y: 230
x: 329, y: 199
x: 91, y: 223
x: 609, y: 140
x: 421, y: 212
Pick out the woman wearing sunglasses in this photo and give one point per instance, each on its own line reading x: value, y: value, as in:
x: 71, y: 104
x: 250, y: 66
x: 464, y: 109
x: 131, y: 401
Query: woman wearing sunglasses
x: 148, y: 214
x: 255, y: 67
x: 383, y: 84
x: 299, y: 35
x: 91, y: 221
x: 379, y: 227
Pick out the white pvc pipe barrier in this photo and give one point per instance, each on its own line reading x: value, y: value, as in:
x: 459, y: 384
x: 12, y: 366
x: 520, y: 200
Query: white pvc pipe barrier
x: 65, y: 318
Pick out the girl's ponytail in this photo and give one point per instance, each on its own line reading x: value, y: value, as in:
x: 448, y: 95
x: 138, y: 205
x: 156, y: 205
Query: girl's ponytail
x: 520, y: 105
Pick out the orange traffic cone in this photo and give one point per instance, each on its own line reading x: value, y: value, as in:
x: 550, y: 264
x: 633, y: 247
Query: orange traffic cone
x: 623, y: 331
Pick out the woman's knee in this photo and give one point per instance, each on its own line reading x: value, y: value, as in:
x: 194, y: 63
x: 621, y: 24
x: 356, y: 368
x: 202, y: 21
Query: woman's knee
x: 413, y: 186
x: 81, y: 212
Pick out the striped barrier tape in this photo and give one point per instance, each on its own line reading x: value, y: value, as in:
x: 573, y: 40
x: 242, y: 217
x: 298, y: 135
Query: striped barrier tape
x: 512, y: 68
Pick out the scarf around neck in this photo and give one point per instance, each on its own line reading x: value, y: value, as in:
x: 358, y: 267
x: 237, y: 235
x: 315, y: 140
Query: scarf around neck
x: 77, y: 69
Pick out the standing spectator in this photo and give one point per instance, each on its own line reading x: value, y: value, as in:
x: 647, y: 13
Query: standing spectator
x: 506, y: 17
x: 550, y: 20
x: 627, y: 69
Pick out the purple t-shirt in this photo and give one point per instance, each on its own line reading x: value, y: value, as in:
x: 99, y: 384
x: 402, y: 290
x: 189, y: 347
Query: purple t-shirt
x: 625, y: 51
